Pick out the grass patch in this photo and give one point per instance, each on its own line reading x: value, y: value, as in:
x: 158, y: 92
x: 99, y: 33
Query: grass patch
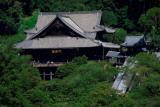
x: 29, y: 22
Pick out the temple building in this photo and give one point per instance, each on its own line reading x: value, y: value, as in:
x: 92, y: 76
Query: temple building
x: 59, y: 37
x: 133, y: 45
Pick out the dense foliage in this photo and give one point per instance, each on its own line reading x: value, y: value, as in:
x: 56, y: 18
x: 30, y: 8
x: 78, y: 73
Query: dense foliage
x: 116, y: 13
x: 80, y: 83
x: 11, y: 13
x: 17, y: 77
x: 10, y: 16
x: 151, y: 23
x: 132, y: 15
x: 147, y: 83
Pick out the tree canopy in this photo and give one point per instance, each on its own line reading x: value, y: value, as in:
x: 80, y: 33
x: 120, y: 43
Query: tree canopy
x: 116, y: 13
x: 151, y: 23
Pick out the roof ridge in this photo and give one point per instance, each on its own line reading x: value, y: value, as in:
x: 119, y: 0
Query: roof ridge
x: 69, y: 12
x: 82, y: 34
x: 135, y: 35
x: 76, y: 24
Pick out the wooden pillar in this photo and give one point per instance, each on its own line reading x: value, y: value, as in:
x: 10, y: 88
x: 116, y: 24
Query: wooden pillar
x: 44, y: 74
x: 103, y: 53
x: 77, y: 53
x: 51, y: 75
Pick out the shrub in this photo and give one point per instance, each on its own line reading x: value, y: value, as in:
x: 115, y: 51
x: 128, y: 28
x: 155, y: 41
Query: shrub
x: 80, y: 60
x: 101, y: 96
x: 119, y: 36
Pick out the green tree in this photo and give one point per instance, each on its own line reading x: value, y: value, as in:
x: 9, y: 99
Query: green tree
x: 124, y: 101
x: 27, y: 6
x: 101, y: 96
x: 155, y: 38
x: 16, y: 77
x: 119, y: 36
x: 109, y: 18
x: 151, y: 25
x: 11, y: 13
x: 150, y: 19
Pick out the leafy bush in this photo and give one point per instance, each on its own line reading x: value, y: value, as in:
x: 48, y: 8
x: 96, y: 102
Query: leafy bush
x: 65, y: 70
x: 80, y: 60
x: 38, y: 98
x: 124, y: 102
x: 145, y: 59
x: 119, y: 36
x: 75, y: 87
x: 102, y: 95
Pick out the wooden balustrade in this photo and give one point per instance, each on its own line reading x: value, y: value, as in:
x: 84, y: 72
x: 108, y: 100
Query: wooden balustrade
x: 50, y: 64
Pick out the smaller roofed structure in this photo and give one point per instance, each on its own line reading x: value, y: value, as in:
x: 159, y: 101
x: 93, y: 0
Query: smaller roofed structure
x: 116, y: 58
x: 132, y: 41
x: 113, y: 54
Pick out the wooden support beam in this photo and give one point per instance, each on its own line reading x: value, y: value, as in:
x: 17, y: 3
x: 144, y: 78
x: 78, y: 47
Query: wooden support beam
x: 44, y: 74
x: 51, y: 75
x: 103, y: 54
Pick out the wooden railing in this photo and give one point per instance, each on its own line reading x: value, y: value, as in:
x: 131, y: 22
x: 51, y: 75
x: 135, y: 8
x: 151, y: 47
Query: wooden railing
x: 51, y: 64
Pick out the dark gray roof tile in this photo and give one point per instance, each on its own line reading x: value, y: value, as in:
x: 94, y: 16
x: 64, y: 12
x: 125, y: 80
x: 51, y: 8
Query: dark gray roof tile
x: 133, y: 41
x: 57, y: 42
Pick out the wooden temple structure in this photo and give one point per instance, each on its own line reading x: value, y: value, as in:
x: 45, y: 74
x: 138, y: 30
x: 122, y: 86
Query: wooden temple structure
x: 130, y: 47
x: 133, y: 45
x: 59, y: 37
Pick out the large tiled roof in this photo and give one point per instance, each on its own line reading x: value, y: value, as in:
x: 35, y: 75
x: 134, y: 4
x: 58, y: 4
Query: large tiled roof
x: 56, y: 42
x: 110, y: 45
x: 83, y: 22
